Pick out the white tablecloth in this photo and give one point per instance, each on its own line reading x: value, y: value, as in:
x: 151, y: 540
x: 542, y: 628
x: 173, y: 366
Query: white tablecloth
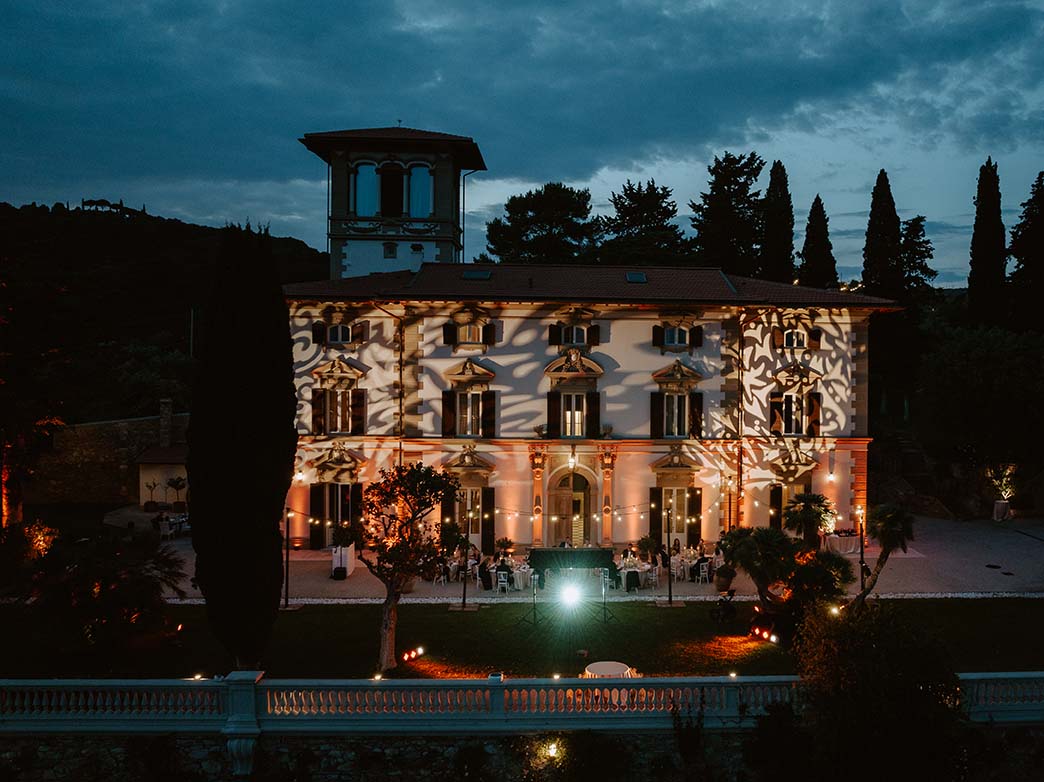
x: 523, y: 578
x: 608, y: 670
x: 841, y: 544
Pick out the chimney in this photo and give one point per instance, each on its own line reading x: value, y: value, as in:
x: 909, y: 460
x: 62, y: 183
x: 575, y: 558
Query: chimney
x: 166, y: 421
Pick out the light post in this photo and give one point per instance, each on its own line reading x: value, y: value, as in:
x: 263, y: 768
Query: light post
x: 862, y: 538
x: 670, y: 575
x: 287, y: 515
x: 728, y: 500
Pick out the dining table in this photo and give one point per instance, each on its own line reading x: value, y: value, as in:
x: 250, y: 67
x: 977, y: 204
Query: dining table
x: 841, y: 544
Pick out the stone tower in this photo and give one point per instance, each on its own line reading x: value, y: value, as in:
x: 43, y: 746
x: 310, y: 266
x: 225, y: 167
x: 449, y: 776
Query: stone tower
x: 394, y: 197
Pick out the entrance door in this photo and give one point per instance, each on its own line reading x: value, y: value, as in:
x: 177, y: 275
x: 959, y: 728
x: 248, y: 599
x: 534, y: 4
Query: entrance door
x: 776, y: 506
x: 570, y: 503
x: 694, y: 517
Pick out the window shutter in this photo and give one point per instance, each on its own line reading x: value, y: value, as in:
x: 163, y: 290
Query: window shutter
x: 449, y: 333
x: 594, y: 335
x: 361, y: 331
x: 489, y: 413
x: 554, y: 414
x: 656, y: 415
x: 815, y: 408
x: 489, y: 334
x: 358, y: 411
x: 319, y: 333
x: 695, y: 415
x: 777, y: 337
x: 776, y: 412
x: 815, y: 339
x: 593, y: 413
x: 656, y: 513
x: 317, y: 501
x: 318, y: 411
x: 488, y: 525
x: 696, y: 337
x: 449, y: 413
x: 554, y: 334
x: 658, y: 336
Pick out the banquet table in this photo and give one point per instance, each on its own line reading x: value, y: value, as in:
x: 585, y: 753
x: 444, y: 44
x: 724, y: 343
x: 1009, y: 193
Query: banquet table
x: 841, y: 544
x: 632, y: 574
x: 610, y: 669
x: 523, y: 578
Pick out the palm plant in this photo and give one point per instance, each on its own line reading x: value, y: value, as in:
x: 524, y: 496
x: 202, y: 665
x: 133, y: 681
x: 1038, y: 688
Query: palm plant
x: 177, y: 483
x: 767, y: 556
x: 892, y: 528
x: 807, y: 514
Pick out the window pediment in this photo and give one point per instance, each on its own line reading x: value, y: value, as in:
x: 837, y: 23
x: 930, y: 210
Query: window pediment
x: 338, y: 465
x: 676, y: 460
x: 677, y: 377
x: 573, y: 365
x: 470, y: 375
x: 470, y: 315
x: 469, y: 467
x: 797, y: 375
x: 575, y: 316
x: 338, y: 375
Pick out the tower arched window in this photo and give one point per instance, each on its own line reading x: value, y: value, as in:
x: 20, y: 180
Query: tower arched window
x: 420, y: 191
x: 365, y: 187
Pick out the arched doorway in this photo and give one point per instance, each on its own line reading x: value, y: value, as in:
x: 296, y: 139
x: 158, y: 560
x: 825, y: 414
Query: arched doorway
x: 571, y: 511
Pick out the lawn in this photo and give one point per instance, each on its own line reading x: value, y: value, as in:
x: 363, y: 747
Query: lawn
x: 341, y: 641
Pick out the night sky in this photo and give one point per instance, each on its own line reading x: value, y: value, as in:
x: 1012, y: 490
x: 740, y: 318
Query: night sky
x: 194, y: 108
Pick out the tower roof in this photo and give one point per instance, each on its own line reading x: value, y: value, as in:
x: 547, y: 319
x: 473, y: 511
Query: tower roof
x: 397, y: 139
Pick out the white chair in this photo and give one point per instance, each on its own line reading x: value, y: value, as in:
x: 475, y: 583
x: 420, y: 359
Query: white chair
x: 502, y: 582
x: 165, y: 530
x: 703, y: 576
x: 440, y: 576
x: 679, y: 570
x: 652, y: 577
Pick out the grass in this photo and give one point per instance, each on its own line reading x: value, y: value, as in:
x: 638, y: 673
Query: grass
x: 341, y: 641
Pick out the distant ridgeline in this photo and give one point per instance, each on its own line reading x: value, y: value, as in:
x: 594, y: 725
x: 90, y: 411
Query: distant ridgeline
x: 101, y: 300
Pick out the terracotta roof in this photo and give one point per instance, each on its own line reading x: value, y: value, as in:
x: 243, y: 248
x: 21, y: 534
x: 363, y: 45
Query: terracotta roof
x: 574, y: 283
x: 171, y: 454
x: 396, y: 139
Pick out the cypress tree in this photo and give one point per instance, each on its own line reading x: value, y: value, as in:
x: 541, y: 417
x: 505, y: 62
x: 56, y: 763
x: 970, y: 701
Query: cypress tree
x: 241, y: 446
x: 988, y: 253
x: 882, y: 267
x: 727, y: 218
x: 777, y: 239
x: 818, y: 267
x: 1027, y: 248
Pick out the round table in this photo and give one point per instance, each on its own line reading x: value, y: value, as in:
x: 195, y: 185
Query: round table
x: 609, y: 669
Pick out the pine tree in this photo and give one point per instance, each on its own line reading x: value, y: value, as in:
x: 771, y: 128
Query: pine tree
x: 727, y: 219
x: 988, y: 254
x: 1027, y: 248
x: 915, y: 250
x: 546, y: 225
x: 777, y: 239
x: 818, y: 267
x: 641, y: 229
x: 241, y: 455
x: 882, y: 266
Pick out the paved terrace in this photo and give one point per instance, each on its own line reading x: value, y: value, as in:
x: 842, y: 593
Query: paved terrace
x: 973, y: 558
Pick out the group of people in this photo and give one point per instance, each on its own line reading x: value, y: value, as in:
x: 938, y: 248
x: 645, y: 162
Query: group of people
x: 472, y: 560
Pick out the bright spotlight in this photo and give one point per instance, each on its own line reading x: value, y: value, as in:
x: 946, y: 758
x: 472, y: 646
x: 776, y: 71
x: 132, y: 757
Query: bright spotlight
x: 570, y: 595
x: 552, y: 750
x: 420, y: 650
x: 835, y: 610
x: 774, y: 638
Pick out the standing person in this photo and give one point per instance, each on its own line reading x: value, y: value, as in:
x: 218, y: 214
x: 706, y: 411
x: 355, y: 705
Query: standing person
x: 485, y: 577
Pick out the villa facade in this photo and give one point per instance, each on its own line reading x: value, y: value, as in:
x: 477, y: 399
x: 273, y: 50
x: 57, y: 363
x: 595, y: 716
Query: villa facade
x: 587, y: 404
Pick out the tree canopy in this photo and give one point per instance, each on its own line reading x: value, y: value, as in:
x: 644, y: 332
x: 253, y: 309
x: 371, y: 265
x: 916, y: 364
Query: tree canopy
x: 882, y: 264
x: 986, y: 275
x: 544, y: 226
x: 818, y: 267
x: 777, y: 231
x: 1027, y: 250
x: 727, y: 219
x: 641, y: 230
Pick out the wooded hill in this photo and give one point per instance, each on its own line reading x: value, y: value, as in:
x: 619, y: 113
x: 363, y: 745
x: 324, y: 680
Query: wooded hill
x: 97, y: 305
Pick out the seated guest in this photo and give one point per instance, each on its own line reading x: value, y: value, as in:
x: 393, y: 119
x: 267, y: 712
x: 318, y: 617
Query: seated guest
x: 503, y: 566
x: 665, y: 561
x: 614, y: 576
x: 676, y: 547
x: 694, y: 569
x: 485, y: 577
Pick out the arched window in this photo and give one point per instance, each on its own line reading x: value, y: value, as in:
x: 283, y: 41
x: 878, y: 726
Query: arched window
x: 366, y: 190
x: 420, y: 191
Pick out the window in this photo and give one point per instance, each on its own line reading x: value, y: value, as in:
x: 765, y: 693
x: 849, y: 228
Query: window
x: 469, y: 334
x: 339, y: 411
x: 674, y: 336
x: 366, y: 190
x: 674, y: 415
x: 420, y: 191
x: 572, y: 415
x: 675, y: 507
x: 638, y: 277
x: 793, y: 404
x: 391, y: 250
x: 469, y: 511
x: 343, y: 334
x: 574, y: 335
x: 793, y: 338
x: 469, y: 414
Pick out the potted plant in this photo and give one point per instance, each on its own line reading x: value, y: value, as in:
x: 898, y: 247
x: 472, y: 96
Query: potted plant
x: 151, y: 506
x: 1003, y: 479
x: 505, y: 545
x: 342, y: 542
x: 647, y: 547
x: 177, y: 483
x: 723, y: 577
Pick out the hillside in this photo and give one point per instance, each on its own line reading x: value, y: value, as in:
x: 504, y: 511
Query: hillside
x: 98, y: 304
